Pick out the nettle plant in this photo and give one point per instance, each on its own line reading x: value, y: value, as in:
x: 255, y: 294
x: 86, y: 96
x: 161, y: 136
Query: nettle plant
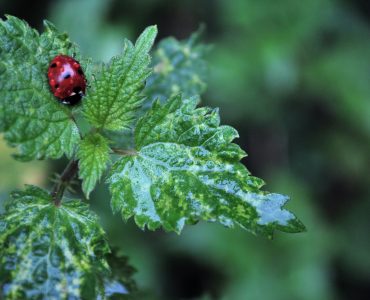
x: 166, y: 161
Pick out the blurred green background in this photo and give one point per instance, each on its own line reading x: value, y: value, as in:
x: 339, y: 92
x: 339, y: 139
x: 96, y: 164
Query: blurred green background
x: 293, y: 77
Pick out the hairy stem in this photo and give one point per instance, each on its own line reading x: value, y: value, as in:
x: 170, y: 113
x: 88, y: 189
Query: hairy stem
x: 68, y: 174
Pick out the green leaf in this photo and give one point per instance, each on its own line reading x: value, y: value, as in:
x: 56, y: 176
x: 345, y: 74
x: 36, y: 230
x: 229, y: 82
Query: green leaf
x: 50, y: 252
x: 93, y: 156
x: 186, y: 169
x: 31, y: 117
x: 178, y: 66
x: 120, y: 284
x: 116, y: 94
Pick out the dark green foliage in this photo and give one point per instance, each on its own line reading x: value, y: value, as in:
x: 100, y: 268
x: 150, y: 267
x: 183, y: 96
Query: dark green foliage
x: 116, y: 94
x: 178, y: 66
x: 183, y: 166
x: 32, y: 119
x: 93, y: 156
x: 186, y: 169
x: 119, y: 284
x: 48, y: 251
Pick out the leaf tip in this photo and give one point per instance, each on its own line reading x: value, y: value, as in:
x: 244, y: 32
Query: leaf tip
x: 48, y: 25
x: 148, y: 36
x: 153, y: 29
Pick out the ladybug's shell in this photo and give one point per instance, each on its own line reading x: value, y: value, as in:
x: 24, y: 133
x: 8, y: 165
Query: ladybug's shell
x: 66, y: 79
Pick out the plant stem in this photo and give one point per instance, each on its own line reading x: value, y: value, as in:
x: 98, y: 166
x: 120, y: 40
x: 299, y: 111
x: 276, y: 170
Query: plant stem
x: 68, y: 174
x: 124, y: 152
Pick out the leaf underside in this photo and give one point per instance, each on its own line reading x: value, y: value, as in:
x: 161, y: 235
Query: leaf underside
x: 186, y: 169
x: 116, y: 94
x: 50, y: 252
x: 30, y: 116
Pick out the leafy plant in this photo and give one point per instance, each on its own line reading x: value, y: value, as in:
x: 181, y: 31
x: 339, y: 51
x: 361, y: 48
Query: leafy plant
x: 183, y: 166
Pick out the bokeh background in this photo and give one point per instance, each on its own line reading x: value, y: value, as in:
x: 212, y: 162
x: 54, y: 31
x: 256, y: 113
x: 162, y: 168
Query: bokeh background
x: 293, y: 77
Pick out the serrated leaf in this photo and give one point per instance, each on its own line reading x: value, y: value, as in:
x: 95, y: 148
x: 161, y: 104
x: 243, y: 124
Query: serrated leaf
x: 178, y: 66
x: 50, y: 252
x: 186, y: 169
x: 30, y: 116
x: 93, y: 155
x: 116, y: 94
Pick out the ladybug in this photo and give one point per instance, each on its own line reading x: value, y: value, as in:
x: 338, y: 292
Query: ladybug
x: 66, y: 79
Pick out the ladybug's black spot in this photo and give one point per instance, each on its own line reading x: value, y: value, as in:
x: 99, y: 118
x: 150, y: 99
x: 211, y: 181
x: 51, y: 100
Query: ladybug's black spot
x: 56, y: 86
x: 53, y: 65
x: 80, y: 71
x: 67, y: 76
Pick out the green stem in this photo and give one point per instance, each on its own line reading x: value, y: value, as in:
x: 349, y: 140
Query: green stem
x: 124, y: 152
x: 68, y: 174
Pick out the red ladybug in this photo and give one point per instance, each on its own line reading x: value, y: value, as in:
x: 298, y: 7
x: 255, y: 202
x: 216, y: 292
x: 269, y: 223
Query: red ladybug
x: 66, y: 79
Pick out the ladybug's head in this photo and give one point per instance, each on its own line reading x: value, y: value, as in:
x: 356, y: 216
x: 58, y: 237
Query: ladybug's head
x: 75, y: 96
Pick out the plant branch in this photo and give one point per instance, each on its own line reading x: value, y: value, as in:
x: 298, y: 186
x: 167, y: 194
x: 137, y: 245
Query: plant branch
x: 124, y: 152
x: 68, y: 174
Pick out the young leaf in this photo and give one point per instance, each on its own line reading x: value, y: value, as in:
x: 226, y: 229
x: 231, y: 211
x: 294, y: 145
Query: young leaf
x: 50, y: 252
x: 30, y: 116
x: 93, y: 156
x: 178, y: 66
x: 116, y: 93
x: 186, y: 169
